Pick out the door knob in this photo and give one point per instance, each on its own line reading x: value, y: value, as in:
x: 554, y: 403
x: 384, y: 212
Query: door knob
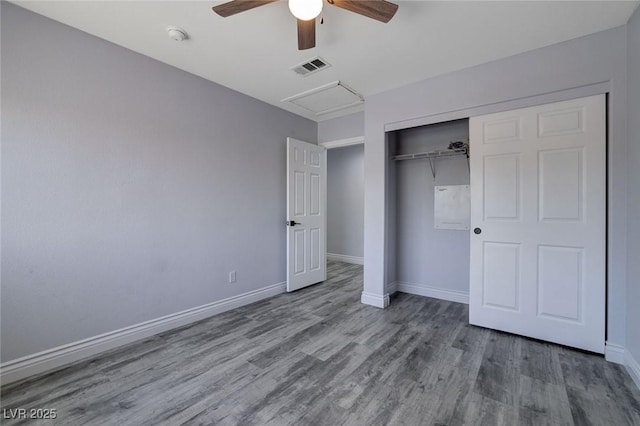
x: 477, y: 231
x: 293, y: 223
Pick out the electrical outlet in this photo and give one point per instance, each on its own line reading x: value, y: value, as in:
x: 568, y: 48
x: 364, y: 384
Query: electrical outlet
x: 232, y: 276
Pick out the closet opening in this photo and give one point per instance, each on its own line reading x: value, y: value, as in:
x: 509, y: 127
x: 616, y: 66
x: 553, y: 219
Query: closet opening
x: 428, y: 211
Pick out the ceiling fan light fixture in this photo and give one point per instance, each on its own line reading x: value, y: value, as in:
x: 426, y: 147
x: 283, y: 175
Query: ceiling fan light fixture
x: 305, y: 10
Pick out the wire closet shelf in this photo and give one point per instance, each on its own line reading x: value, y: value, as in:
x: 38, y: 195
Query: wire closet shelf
x: 430, y: 155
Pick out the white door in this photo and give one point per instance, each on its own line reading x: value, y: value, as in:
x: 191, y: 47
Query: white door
x: 538, y: 209
x: 306, y: 214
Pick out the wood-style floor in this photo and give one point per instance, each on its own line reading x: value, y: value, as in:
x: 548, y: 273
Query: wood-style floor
x: 318, y: 356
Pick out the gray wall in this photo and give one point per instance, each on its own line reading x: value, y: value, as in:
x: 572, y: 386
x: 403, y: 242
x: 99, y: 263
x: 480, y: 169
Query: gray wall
x: 426, y: 256
x: 580, y: 67
x: 129, y: 188
x: 633, y: 242
x: 345, y: 201
x: 345, y: 127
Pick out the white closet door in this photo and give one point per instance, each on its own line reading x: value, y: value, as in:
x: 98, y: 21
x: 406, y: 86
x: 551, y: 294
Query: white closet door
x: 538, y: 222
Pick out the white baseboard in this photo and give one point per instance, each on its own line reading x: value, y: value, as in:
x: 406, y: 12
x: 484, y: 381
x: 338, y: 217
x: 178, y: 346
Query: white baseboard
x: 345, y: 258
x: 619, y: 355
x: 392, y: 287
x: 632, y: 367
x: 437, y: 293
x: 614, y: 353
x: 375, y: 300
x: 50, y: 359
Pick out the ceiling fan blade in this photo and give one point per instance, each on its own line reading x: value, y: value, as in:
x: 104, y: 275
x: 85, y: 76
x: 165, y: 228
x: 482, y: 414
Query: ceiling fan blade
x: 306, y: 34
x: 380, y: 10
x: 237, y: 6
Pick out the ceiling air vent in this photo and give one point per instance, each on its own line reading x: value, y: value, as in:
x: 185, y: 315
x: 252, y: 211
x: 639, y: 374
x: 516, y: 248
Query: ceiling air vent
x: 311, y: 66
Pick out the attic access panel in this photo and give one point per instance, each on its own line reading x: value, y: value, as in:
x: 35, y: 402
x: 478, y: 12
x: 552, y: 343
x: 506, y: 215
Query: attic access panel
x: 325, y: 99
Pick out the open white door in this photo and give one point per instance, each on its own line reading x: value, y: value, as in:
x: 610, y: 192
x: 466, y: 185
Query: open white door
x: 538, y: 200
x: 306, y: 213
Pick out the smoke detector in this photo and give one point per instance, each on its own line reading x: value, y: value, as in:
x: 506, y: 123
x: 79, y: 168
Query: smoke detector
x: 178, y: 34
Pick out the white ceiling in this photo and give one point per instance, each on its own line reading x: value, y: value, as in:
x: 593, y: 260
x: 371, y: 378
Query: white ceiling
x: 253, y: 52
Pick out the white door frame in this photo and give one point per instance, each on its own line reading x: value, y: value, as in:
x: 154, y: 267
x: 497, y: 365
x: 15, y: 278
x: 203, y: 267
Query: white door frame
x: 334, y: 144
x: 341, y: 143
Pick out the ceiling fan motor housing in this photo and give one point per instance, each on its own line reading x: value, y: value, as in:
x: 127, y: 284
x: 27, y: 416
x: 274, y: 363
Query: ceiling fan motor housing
x: 306, y: 12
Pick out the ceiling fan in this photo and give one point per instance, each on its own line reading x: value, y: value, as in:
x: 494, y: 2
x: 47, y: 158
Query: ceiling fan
x: 306, y: 12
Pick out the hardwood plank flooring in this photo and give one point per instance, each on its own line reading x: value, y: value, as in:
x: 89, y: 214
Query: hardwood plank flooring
x: 320, y: 357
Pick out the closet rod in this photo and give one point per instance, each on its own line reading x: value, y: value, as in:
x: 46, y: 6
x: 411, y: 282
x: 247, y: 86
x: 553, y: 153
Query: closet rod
x: 435, y: 154
x: 431, y: 154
